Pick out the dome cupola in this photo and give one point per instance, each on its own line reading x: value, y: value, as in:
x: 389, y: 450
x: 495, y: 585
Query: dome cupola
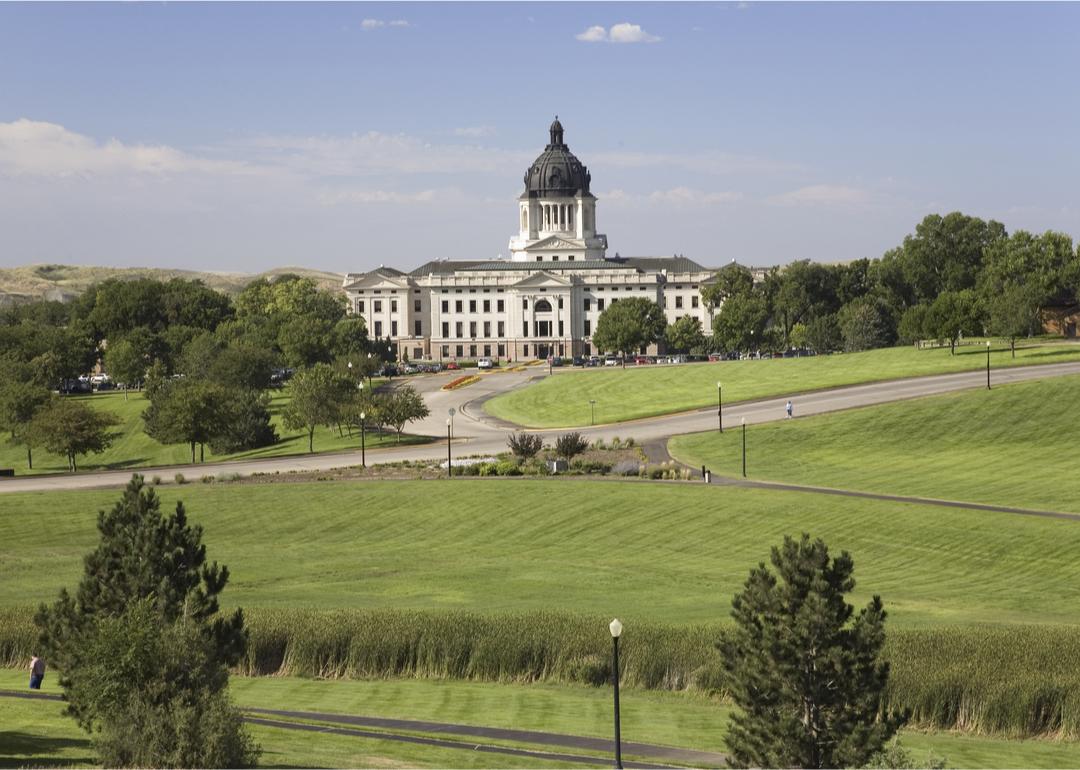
x: 557, y: 172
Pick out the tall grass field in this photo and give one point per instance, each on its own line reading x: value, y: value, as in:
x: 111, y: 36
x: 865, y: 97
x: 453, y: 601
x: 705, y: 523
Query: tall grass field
x: 1005, y: 446
x: 646, y: 391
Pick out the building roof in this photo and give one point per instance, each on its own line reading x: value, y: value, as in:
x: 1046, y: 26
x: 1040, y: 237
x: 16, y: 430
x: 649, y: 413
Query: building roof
x: 445, y: 266
x: 677, y: 264
x: 556, y: 172
x: 644, y: 264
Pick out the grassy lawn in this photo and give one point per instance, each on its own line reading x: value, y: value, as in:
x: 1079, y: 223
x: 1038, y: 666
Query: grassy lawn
x: 997, y: 446
x: 37, y: 730
x: 645, y: 391
x: 665, y: 552
x: 134, y: 449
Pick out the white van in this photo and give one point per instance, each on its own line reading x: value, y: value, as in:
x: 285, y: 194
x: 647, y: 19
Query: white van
x: 484, y: 363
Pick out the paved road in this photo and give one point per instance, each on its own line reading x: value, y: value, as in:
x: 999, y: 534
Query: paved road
x: 385, y: 727
x: 476, y: 433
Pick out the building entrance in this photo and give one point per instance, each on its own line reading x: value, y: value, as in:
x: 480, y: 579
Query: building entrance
x: 543, y: 351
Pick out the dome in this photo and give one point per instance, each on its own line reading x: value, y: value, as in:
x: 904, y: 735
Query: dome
x: 557, y: 172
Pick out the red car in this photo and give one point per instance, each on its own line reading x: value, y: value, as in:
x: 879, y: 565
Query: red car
x: 642, y: 360
x: 452, y: 366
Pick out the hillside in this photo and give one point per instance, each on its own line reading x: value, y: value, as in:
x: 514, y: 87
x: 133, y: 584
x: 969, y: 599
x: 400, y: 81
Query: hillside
x: 63, y: 282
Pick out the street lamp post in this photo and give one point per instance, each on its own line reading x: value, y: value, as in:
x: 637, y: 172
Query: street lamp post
x: 451, y: 411
x: 592, y: 407
x: 449, y: 462
x: 744, y: 447
x: 363, y: 439
x: 720, y: 406
x: 616, y: 631
x: 988, y: 364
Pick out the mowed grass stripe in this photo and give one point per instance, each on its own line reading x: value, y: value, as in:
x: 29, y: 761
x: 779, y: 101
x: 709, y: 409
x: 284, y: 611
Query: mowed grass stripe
x: 1005, y: 446
x: 666, y: 552
x: 132, y: 448
x: 646, y: 391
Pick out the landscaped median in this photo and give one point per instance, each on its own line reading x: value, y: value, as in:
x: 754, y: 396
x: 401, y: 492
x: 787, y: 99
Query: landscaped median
x: 611, y: 395
x: 461, y: 382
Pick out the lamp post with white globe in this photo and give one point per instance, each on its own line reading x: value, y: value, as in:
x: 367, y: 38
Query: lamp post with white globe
x: 363, y: 440
x: 616, y: 632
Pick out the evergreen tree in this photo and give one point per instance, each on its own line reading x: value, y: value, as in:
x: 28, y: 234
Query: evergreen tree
x: 157, y: 561
x: 806, y: 678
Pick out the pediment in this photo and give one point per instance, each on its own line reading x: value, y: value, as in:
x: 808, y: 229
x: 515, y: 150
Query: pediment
x: 556, y: 242
x: 377, y: 280
x: 542, y: 279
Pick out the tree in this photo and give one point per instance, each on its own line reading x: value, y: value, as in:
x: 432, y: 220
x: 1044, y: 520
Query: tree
x: 629, y: 324
x: 19, y: 400
x: 186, y: 411
x: 864, y: 324
x: 243, y: 421
x: 570, y: 445
x: 126, y: 364
x: 732, y: 280
x: 142, y: 648
x: 912, y: 326
x: 525, y: 446
x: 740, y: 324
x: 953, y: 314
x: 70, y: 428
x: 243, y: 366
x: 806, y: 678
x: 305, y: 341
x: 805, y: 290
x: 946, y: 253
x: 349, y: 338
x: 403, y: 406
x: 1014, y: 312
x: 684, y: 335
x: 316, y: 398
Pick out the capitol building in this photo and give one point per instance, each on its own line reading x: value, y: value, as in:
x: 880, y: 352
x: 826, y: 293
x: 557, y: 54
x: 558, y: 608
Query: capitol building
x: 544, y: 300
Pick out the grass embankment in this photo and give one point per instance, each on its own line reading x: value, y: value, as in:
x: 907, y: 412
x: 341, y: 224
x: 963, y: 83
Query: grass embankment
x: 646, y: 391
x: 663, y: 552
x: 1001, y: 447
x: 37, y: 732
x: 134, y: 449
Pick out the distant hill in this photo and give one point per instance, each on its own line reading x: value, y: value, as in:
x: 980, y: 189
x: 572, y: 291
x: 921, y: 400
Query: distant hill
x: 65, y: 282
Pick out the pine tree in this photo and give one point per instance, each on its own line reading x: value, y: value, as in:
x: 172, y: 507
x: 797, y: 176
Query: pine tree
x: 142, y: 555
x: 806, y: 678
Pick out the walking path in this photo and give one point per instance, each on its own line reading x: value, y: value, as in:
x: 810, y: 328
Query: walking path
x: 476, y: 433
x: 558, y: 740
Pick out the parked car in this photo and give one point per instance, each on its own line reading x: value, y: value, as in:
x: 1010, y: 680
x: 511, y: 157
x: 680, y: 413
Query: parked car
x: 484, y: 363
x: 579, y: 361
x: 452, y: 366
x: 611, y: 361
x: 411, y: 369
x: 640, y: 360
x: 593, y: 361
x: 388, y: 370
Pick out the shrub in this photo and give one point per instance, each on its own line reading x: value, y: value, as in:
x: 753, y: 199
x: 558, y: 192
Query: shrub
x: 155, y: 480
x: 179, y: 478
x: 525, y: 445
x: 486, y: 469
x: 570, y: 445
x: 629, y: 443
x: 616, y: 443
x: 507, y: 468
x: 599, y: 444
x: 591, y: 466
x: 208, y: 479
x: 656, y: 471
x: 593, y: 670
x: 625, y: 468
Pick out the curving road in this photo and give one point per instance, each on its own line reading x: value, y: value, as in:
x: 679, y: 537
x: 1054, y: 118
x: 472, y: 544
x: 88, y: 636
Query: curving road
x: 476, y: 433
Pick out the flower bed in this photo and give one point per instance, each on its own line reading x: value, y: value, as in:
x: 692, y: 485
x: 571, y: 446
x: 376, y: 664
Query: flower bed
x: 461, y: 382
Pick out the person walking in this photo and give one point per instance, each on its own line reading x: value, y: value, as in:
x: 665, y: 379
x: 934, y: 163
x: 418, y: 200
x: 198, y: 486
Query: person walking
x: 37, y: 672
x: 789, y: 408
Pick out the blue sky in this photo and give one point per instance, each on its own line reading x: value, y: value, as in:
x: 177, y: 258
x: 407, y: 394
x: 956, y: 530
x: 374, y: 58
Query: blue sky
x: 344, y: 136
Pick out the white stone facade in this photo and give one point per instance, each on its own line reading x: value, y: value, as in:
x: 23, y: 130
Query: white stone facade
x: 544, y: 301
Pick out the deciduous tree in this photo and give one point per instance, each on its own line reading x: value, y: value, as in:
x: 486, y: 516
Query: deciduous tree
x: 403, y: 406
x: 316, y: 398
x: 70, y: 428
x: 628, y: 325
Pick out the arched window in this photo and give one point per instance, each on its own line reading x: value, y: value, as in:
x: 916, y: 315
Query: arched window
x: 541, y: 306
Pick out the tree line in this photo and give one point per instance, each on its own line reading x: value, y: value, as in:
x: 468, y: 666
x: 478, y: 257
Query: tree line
x: 206, y: 360
x: 956, y: 275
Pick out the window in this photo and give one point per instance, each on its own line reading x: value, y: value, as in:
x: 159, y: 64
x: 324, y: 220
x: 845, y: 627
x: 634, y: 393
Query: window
x: 499, y: 305
x: 524, y: 328
x: 446, y: 329
x: 457, y: 305
x: 502, y: 329
x: 359, y: 306
x: 487, y: 350
x: 472, y: 328
x: 417, y: 353
x: 588, y: 327
x: 472, y: 305
x: 446, y: 306
x: 472, y: 350
x: 588, y: 304
x: 460, y: 350
x: 560, y: 328
x: 600, y: 304
x: 571, y: 258
x: 614, y: 300
x: 524, y: 303
x: 501, y: 350
x: 555, y: 258
x: 641, y: 288
x: 416, y: 306
x: 393, y: 306
x: 416, y: 291
x: 378, y: 328
x: 376, y: 306
x: 446, y: 351
x: 457, y: 291
x: 678, y: 301
x: 541, y: 306
x: 487, y: 305
x: 539, y: 259
x: 694, y: 301
x: 457, y: 329
x: 487, y: 328
x: 560, y: 303
x: 525, y: 350
x: 393, y: 328
x: 418, y: 328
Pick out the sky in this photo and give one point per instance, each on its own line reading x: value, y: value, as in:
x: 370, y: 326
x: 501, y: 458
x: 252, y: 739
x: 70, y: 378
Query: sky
x: 344, y: 136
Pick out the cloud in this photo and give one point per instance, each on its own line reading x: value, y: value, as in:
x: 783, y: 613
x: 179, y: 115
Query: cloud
x: 822, y: 195
x: 676, y: 197
x: 475, y: 132
x: 369, y: 24
x: 619, y: 33
x: 708, y: 162
x: 363, y: 197
x: 37, y: 148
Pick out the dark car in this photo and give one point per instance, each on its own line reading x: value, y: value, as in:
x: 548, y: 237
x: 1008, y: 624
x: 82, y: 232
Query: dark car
x: 389, y: 370
x: 579, y: 360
